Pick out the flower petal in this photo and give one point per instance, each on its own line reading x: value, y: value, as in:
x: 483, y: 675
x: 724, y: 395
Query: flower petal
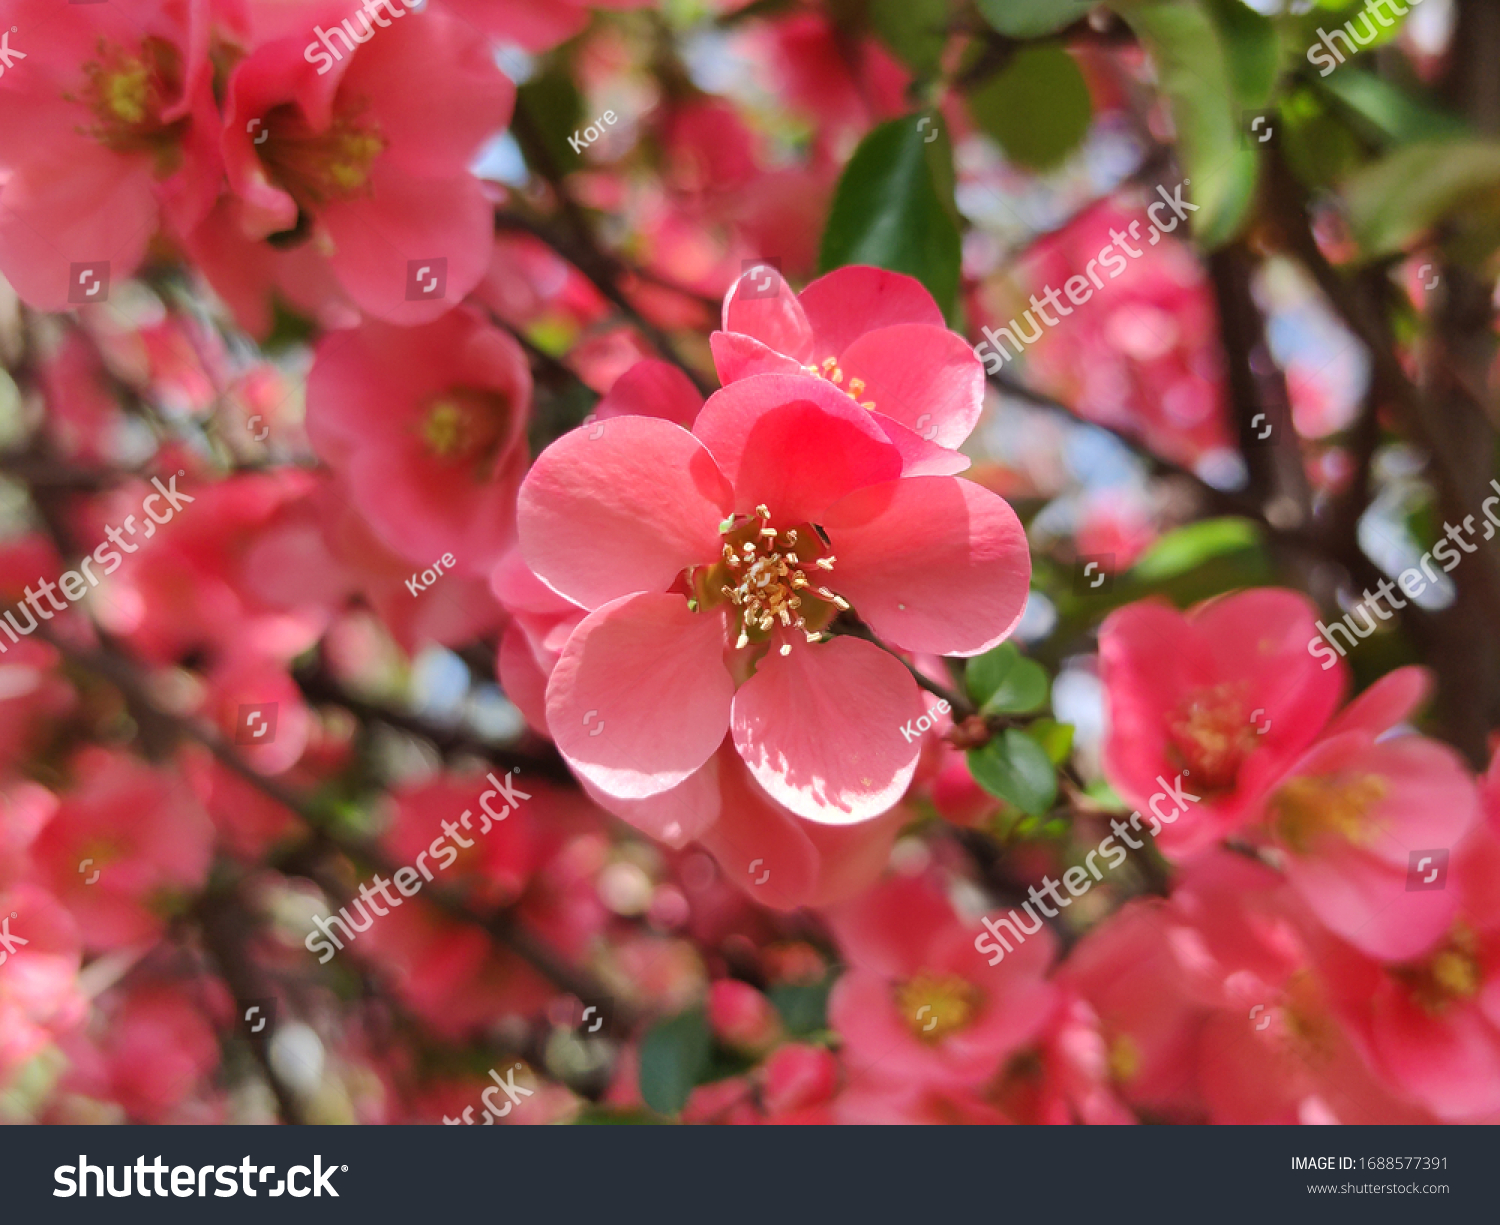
x: 932, y: 563
x: 640, y: 697
x: 621, y: 506
x: 925, y: 377
x: 675, y: 816
x: 763, y: 849
x: 847, y: 302
x: 652, y: 389
x: 376, y: 237
x: 1385, y: 703
x: 820, y: 728
x: 795, y: 443
x: 918, y: 456
x: 737, y: 356
x: 774, y: 319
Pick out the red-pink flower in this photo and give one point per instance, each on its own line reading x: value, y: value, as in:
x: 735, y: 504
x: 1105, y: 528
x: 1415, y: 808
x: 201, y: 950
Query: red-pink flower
x: 156, y: 1049
x: 107, y: 121
x: 1357, y: 813
x: 124, y: 839
x: 918, y: 1002
x: 427, y: 427
x: 1226, y: 694
x: 351, y: 144
x: 877, y: 336
x: 40, y: 996
x: 1431, y: 1023
x: 488, y: 840
x: 701, y: 556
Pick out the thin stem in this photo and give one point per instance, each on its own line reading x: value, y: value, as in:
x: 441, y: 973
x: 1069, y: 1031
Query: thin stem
x: 962, y: 707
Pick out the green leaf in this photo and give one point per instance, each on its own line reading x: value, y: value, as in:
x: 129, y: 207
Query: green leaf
x: 915, y: 30
x: 894, y: 208
x: 803, y: 1006
x: 1189, y: 547
x: 1006, y: 106
x: 550, y: 101
x: 1003, y: 681
x: 1015, y: 768
x: 1389, y: 111
x: 1032, y: 18
x: 1194, y: 74
x: 674, y: 1055
x: 1055, y: 738
x: 1250, y: 46
x: 1405, y: 194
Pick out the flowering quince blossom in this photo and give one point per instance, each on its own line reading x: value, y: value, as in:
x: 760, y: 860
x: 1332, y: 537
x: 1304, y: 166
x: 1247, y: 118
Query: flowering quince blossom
x: 712, y: 564
x: 113, y: 103
x: 1353, y: 809
x: 877, y: 336
x: 1225, y: 694
x: 427, y: 427
x: 162, y: 849
x: 40, y: 997
x: 353, y: 172
x: 918, y: 1002
x: 1431, y: 1022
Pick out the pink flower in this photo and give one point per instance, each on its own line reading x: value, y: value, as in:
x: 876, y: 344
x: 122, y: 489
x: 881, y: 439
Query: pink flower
x: 1226, y: 695
x: 427, y: 427
x: 918, y: 1001
x: 877, y: 336
x: 1139, y: 354
x: 797, y: 1077
x: 1066, y: 1077
x: 40, y: 997
x: 138, y: 837
x: 353, y: 149
x: 447, y: 972
x: 1431, y: 1023
x: 156, y: 1050
x: 741, y: 1017
x: 1356, y: 810
x: 1148, y: 1017
x: 701, y: 555
x: 495, y: 865
x: 106, y: 124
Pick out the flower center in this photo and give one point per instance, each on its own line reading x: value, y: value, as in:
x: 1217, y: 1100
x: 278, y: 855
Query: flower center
x: 1123, y: 1058
x: 1451, y: 973
x: 317, y: 168
x: 831, y: 371
x: 934, y: 1007
x: 770, y: 578
x: 465, y: 427
x: 1306, y: 809
x: 1212, y: 735
x: 127, y: 93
